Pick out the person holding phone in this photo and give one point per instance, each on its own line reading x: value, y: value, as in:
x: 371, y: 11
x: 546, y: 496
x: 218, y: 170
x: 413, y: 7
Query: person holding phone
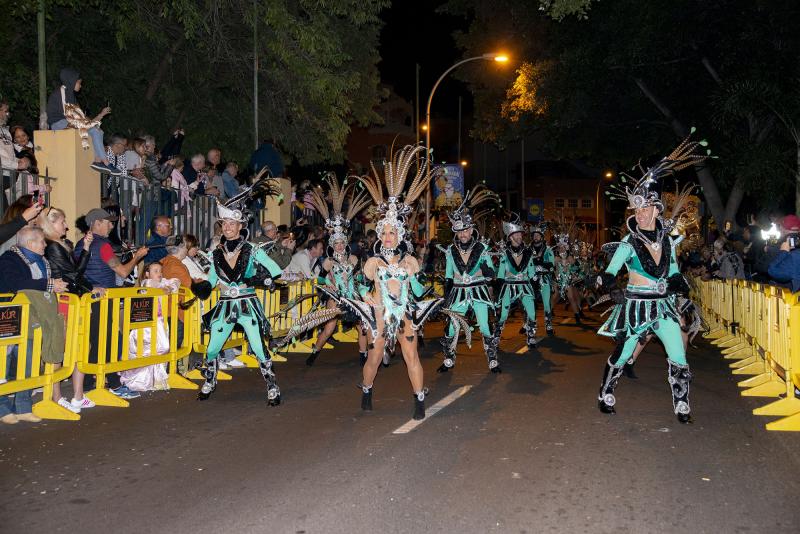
x: 785, y: 267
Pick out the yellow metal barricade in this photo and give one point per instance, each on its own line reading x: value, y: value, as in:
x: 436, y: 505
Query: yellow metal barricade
x: 284, y: 321
x: 14, y: 322
x: 120, y: 312
x: 200, y: 336
x: 761, y: 327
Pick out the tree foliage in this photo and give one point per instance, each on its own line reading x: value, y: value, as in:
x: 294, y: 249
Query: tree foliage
x: 628, y: 79
x: 189, y: 63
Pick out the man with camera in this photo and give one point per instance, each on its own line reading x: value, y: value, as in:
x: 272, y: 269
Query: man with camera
x: 786, y: 265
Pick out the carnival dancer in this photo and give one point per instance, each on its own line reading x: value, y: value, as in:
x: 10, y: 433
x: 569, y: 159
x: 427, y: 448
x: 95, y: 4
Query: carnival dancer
x: 649, y: 304
x: 468, y: 274
x: 567, y: 269
x: 237, y: 267
x: 392, y: 308
x: 518, y: 278
x: 543, y: 261
x: 340, y: 267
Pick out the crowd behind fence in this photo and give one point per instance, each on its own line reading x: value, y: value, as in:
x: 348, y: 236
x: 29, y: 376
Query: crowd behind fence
x: 126, y: 311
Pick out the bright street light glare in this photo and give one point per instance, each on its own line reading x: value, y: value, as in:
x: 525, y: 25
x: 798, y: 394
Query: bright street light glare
x: 424, y: 127
x: 609, y: 174
x: 464, y: 163
x: 501, y: 58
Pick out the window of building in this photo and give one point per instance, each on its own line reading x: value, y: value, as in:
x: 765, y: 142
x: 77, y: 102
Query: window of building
x: 559, y: 203
x: 587, y: 203
x: 572, y: 203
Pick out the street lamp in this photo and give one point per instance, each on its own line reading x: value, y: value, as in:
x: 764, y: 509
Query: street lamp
x: 607, y: 176
x: 500, y: 58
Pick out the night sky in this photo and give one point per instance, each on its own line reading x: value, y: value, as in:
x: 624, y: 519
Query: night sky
x: 423, y: 36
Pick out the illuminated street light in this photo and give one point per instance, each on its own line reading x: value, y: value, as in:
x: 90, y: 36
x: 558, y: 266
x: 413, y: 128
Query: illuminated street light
x: 424, y: 127
x: 463, y: 163
x: 609, y: 174
x: 500, y: 58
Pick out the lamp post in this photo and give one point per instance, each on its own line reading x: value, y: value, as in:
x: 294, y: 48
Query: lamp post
x: 489, y: 57
x: 607, y: 176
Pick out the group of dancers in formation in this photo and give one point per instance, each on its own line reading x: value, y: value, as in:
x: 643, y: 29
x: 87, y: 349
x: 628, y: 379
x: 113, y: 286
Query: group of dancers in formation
x: 390, y: 304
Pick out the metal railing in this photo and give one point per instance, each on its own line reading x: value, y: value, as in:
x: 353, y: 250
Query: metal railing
x: 18, y: 183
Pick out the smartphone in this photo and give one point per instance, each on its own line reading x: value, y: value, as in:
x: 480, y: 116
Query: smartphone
x: 41, y: 198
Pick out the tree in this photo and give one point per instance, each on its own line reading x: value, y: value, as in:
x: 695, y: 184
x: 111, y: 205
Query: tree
x: 189, y: 63
x: 634, y: 77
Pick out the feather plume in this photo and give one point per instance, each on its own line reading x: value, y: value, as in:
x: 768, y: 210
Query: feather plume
x: 306, y: 323
x: 460, y: 324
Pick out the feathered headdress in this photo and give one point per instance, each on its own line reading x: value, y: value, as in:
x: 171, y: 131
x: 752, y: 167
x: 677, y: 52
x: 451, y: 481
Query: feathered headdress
x: 392, y: 210
x: 235, y: 208
x: 642, y: 193
x: 336, y: 222
x: 461, y: 218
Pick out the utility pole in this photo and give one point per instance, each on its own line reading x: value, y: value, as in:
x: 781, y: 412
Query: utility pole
x: 255, y: 73
x: 42, y: 68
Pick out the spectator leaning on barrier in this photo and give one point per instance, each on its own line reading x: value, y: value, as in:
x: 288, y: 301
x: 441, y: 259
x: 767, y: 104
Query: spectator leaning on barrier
x: 26, y: 270
x: 63, y: 265
x: 195, y: 262
x: 306, y: 261
x: 102, y: 271
x: 786, y: 265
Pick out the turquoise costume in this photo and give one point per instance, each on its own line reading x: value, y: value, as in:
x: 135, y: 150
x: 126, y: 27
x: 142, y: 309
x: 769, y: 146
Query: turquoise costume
x: 469, y: 271
x: 651, y: 306
x: 518, y: 277
x: 238, y: 304
x: 543, y: 261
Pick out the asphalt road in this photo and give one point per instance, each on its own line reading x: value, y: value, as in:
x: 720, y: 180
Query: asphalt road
x: 523, y: 451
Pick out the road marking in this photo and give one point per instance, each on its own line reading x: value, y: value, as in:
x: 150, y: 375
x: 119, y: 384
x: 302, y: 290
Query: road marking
x: 433, y: 410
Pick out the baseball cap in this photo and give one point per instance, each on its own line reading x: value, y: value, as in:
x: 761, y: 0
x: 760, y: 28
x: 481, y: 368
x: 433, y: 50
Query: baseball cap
x: 98, y: 214
x: 791, y: 223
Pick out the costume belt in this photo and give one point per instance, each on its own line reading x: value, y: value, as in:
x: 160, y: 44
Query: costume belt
x: 482, y: 282
x: 236, y: 292
x: 516, y: 282
x: 657, y: 289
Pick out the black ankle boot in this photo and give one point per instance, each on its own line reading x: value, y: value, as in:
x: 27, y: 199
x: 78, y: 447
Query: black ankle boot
x: 312, y: 357
x: 419, y: 405
x: 362, y: 357
x: 679, y: 378
x: 366, y: 398
x: 210, y: 374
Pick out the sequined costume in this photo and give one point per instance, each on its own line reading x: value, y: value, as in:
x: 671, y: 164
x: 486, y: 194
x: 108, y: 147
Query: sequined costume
x: 518, y: 278
x: 236, y: 268
x: 469, y: 272
x: 543, y: 261
x: 649, y: 303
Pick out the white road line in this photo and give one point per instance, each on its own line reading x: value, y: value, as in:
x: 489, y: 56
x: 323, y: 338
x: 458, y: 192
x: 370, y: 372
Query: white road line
x: 433, y: 410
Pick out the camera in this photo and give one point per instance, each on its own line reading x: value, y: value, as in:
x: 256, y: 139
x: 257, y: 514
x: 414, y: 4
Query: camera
x: 793, y: 240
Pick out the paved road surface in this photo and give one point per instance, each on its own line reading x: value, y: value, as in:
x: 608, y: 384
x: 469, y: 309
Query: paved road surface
x: 524, y: 451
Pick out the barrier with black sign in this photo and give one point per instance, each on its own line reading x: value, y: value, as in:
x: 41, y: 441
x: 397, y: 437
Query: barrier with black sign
x: 122, y: 311
x: 15, y: 319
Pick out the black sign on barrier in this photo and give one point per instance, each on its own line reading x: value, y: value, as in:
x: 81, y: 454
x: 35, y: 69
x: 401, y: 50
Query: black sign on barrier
x: 141, y: 310
x: 10, y: 321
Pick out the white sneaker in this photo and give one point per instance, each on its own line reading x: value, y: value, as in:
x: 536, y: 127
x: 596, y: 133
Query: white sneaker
x: 64, y: 403
x: 235, y: 363
x: 223, y: 366
x: 236, y: 351
x: 85, y: 402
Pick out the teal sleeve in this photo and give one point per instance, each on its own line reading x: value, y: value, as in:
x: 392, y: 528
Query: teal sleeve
x: 621, y: 255
x: 262, y: 258
x: 549, y: 256
x: 322, y: 280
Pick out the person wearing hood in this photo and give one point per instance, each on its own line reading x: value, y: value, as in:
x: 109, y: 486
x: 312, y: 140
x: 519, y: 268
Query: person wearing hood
x: 65, y: 94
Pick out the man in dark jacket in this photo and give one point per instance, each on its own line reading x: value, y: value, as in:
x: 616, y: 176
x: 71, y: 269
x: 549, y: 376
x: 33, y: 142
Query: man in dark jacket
x: 25, y: 267
x: 786, y: 265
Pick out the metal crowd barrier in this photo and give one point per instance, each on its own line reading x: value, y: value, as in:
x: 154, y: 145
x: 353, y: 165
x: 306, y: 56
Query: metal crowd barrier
x: 758, y: 327
x: 14, y: 326
x: 121, y: 311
